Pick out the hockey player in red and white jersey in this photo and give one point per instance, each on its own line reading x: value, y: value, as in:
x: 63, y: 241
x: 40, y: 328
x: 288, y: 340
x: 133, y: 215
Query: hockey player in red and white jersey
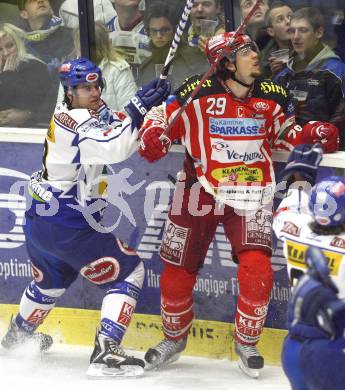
x: 229, y: 130
x: 84, y: 135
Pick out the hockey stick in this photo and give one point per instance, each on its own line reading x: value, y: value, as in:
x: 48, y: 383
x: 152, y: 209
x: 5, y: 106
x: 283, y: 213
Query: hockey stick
x: 177, y: 38
x: 221, y: 55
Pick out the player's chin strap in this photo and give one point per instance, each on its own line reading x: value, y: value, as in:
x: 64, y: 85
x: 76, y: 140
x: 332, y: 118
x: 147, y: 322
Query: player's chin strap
x: 242, y: 82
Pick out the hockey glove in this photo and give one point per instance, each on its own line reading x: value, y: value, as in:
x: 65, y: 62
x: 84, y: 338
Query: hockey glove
x: 321, y: 132
x: 303, y: 160
x: 148, y: 96
x: 314, y: 304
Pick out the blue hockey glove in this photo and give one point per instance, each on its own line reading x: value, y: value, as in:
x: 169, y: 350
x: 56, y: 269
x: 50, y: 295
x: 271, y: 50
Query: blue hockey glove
x: 303, y: 160
x: 148, y: 96
x: 314, y: 304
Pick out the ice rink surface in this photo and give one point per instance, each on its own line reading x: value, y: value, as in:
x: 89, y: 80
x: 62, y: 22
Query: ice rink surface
x: 64, y: 367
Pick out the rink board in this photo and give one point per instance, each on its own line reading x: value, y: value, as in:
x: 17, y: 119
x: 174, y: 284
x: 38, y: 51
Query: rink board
x: 146, y: 196
x: 207, y: 338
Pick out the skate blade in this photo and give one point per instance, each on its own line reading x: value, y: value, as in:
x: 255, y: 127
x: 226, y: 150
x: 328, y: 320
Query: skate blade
x: 102, y: 371
x: 159, y: 366
x: 251, y: 372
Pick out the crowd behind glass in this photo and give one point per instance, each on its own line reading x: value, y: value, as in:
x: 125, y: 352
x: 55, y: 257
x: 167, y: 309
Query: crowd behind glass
x: 298, y: 40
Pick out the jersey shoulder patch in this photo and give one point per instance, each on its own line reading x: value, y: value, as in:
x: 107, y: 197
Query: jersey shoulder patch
x: 270, y: 90
x: 209, y: 87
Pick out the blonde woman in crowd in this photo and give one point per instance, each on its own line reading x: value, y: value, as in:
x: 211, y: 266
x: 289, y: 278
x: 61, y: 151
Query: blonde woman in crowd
x: 22, y: 76
x: 119, y: 81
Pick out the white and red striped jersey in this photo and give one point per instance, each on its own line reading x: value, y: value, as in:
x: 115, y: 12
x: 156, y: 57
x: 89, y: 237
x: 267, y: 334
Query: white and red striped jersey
x: 229, y: 140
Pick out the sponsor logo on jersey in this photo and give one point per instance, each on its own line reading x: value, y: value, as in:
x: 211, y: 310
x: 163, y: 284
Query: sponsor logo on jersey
x: 227, y: 152
x: 237, y: 173
x: 91, y: 77
x: 237, y: 127
x: 338, y: 242
x: 66, y: 120
x: 296, y: 256
x: 190, y: 86
x: 103, y: 270
x: 261, y: 106
x: 290, y: 228
x: 270, y: 86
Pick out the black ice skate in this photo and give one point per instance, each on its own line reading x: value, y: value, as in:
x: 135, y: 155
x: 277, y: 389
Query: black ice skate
x: 109, y: 359
x: 15, y: 337
x: 250, y: 361
x: 164, y: 353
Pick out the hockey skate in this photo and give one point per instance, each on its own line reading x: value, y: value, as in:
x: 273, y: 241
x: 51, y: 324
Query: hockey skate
x: 108, y: 359
x: 15, y: 337
x: 164, y: 353
x: 250, y: 361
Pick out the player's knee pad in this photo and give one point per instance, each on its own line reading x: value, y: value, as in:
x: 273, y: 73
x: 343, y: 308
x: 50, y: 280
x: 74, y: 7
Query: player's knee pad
x: 36, y: 304
x: 119, y: 303
x: 177, y: 301
x: 255, y: 274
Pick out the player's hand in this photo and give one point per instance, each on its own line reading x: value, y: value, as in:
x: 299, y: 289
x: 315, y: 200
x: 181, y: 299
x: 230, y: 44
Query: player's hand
x: 303, y: 161
x: 148, y: 96
x: 153, y: 144
x: 321, y: 132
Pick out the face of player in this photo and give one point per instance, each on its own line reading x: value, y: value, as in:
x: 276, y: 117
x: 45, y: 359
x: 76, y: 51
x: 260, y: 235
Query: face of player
x: 303, y: 36
x: 258, y: 17
x: 8, y: 48
x: 86, y: 95
x: 280, y: 23
x: 247, y: 65
x: 160, y: 31
x: 204, y: 9
x: 35, y: 9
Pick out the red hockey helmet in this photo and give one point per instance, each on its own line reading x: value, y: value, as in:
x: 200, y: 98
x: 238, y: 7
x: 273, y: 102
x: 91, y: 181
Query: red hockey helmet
x: 226, y: 42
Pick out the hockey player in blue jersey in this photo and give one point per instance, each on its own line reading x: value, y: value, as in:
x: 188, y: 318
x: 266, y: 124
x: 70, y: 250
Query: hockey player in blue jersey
x: 84, y: 135
x: 311, y: 223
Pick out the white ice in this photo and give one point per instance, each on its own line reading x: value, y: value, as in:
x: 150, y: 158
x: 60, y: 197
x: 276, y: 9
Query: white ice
x: 64, y: 367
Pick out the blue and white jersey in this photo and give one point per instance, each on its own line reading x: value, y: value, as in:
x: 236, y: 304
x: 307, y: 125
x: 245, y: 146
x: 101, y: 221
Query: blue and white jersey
x: 78, y: 144
x: 135, y: 43
x: 291, y: 224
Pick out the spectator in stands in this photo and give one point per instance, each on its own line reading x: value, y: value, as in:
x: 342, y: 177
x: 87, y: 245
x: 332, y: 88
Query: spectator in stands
x: 46, y: 37
x: 160, y: 23
x: 119, y: 82
x: 21, y: 77
x: 204, y: 10
x: 127, y: 30
x: 277, y: 22
x: 103, y: 11
x: 315, y: 75
x: 256, y: 26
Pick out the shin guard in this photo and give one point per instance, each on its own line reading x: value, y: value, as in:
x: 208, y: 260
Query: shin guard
x: 35, y: 306
x: 176, y: 301
x: 119, y: 304
x: 255, y: 278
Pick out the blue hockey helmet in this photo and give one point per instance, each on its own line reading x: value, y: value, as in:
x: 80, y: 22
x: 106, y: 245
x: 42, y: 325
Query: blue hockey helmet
x: 327, y: 201
x: 79, y: 71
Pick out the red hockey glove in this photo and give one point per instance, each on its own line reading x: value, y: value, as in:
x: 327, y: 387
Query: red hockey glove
x: 151, y: 147
x: 321, y: 132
